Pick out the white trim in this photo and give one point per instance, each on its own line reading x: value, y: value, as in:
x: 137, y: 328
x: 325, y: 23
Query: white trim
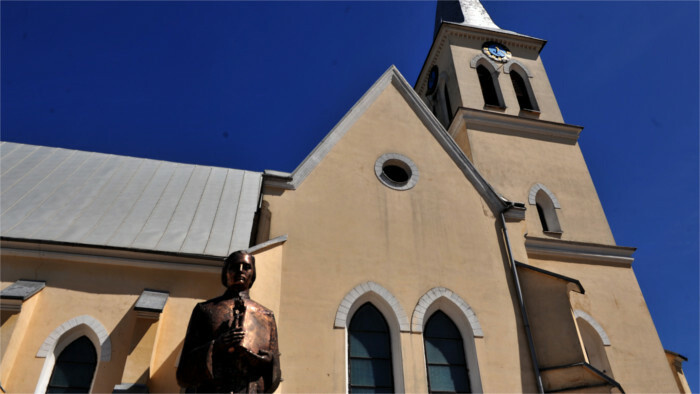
x: 532, y: 196
x: 480, y: 58
x: 429, y: 298
x: 348, y: 305
x: 63, y: 336
x: 406, y: 162
x: 596, y: 326
x: 445, y: 300
x: 395, y: 317
x: 578, y: 251
x: 490, y: 121
x: 507, y: 67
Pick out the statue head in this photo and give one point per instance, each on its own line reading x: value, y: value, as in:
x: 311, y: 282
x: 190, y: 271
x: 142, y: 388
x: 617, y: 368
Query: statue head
x: 238, y: 270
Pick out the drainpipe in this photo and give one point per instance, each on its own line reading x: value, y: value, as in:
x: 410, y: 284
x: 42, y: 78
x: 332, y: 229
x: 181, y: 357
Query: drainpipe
x: 523, y: 312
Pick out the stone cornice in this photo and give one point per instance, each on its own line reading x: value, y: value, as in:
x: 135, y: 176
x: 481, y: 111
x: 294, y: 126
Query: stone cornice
x: 526, y: 127
x: 556, y: 249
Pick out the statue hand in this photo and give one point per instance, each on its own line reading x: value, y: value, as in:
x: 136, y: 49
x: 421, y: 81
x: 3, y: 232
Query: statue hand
x: 229, y: 339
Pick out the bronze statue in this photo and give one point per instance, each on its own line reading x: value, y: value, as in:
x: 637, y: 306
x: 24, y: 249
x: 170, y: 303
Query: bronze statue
x: 231, y: 341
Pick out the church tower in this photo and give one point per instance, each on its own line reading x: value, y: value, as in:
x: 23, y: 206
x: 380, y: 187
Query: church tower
x: 489, y: 88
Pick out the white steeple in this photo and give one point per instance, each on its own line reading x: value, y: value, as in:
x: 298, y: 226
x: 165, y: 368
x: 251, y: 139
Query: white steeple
x: 464, y: 12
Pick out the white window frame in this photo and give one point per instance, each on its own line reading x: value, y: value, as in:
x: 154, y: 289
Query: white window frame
x: 64, y: 335
x: 394, y: 315
x: 462, y: 315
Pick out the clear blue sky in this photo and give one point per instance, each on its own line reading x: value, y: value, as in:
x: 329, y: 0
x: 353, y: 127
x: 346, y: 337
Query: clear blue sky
x: 196, y: 82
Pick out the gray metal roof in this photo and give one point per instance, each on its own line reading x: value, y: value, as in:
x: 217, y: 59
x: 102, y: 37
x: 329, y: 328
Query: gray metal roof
x: 62, y: 195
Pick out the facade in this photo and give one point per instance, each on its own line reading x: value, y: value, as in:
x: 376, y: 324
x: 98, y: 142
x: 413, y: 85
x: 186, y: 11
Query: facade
x: 445, y: 236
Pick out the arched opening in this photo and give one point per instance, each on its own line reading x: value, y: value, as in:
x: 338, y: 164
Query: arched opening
x: 74, y: 368
x: 444, y: 355
x: 523, y: 91
x: 594, y: 347
x: 547, y: 213
x: 369, y: 352
x: 489, y: 87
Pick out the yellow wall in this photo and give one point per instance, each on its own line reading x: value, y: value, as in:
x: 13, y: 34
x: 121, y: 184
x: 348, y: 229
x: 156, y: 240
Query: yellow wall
x: 107, y: 293
x: 513, y: 164
x: 346, y: 228
x: 614, y: 300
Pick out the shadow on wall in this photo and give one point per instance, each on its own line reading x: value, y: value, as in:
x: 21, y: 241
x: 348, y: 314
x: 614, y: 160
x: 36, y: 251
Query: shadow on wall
x: 163, y: 380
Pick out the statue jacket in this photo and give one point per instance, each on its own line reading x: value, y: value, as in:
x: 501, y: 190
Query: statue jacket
x: 205, y: 368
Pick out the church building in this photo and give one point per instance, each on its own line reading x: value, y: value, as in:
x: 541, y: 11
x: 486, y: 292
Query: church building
x: 443, y: 237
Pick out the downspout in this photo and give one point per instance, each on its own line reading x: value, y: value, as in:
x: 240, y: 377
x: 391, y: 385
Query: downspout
x: 526, y: 322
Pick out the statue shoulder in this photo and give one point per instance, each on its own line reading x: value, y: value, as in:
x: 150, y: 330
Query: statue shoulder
x: 258, y: 307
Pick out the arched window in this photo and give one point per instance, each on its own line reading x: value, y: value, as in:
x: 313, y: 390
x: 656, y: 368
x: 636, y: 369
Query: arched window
x: 523, y: 92
x: 594, y: 339
x: 546, y: 212
x: 370, y: 352
x: 74, y: 368
x: 444, y: 355
x: 489, y: 87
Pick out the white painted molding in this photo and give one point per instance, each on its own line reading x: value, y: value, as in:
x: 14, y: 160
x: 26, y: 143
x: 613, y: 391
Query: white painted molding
x: 481, y: 58
x: 596, y: 326
x: 490, y: 121
x: 267, y: 244
x: 532, y: 196
x: 97, y: 328
x: 431, y: 297
x: 349, y: 301
x: 579, y: 251
x: 511, y: 62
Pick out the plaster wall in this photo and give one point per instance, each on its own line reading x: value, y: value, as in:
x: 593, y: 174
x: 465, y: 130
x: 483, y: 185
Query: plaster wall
x: 346, y: 228
x: 613, y: 298
x: 513, y: 164
x: 108, y: 294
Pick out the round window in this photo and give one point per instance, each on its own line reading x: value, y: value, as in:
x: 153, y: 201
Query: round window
x: 396, y: 171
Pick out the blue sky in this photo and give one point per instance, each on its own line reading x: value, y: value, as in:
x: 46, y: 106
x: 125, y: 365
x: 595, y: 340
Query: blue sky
x: 256, y: 85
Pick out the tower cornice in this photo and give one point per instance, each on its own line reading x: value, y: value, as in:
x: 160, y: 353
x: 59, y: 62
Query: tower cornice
x: 526, y: 127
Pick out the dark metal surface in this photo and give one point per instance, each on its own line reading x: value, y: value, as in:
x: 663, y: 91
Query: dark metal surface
x: 231, y: 342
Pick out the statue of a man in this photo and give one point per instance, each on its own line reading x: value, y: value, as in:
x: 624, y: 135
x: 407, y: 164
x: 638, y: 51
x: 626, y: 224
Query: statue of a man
x: 231, y: 341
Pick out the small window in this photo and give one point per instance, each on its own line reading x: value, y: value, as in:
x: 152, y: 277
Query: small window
x: 444, y: 355
x: 396, y: 171
x: 370, y: 352
x: 523, y: 92
x: 488, y: 87
x: 547, y: 213
x: 74, y: 368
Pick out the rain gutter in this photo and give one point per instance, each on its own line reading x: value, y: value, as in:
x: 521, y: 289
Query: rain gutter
x: 521, y: 301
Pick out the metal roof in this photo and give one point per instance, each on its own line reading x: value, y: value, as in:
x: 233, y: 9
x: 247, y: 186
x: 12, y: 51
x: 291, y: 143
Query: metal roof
x: 62, y: 195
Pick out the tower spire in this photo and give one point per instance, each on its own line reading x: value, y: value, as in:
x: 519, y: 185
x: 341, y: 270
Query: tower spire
x: 464, y: 12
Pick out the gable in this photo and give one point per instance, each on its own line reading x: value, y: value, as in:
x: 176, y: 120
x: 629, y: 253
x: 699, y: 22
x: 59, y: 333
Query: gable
x: 392, y: 78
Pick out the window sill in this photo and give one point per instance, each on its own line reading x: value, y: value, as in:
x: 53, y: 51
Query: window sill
x: 529, y: 113
x: 491, y: 107
x: 553, y: 233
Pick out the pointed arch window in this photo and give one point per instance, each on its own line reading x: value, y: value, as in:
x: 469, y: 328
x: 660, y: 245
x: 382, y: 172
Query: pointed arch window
x: 489, y: 87
x: 369, y: 353
x: 74, y: 368
x: 523, y: 91
x: 444, y: 355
